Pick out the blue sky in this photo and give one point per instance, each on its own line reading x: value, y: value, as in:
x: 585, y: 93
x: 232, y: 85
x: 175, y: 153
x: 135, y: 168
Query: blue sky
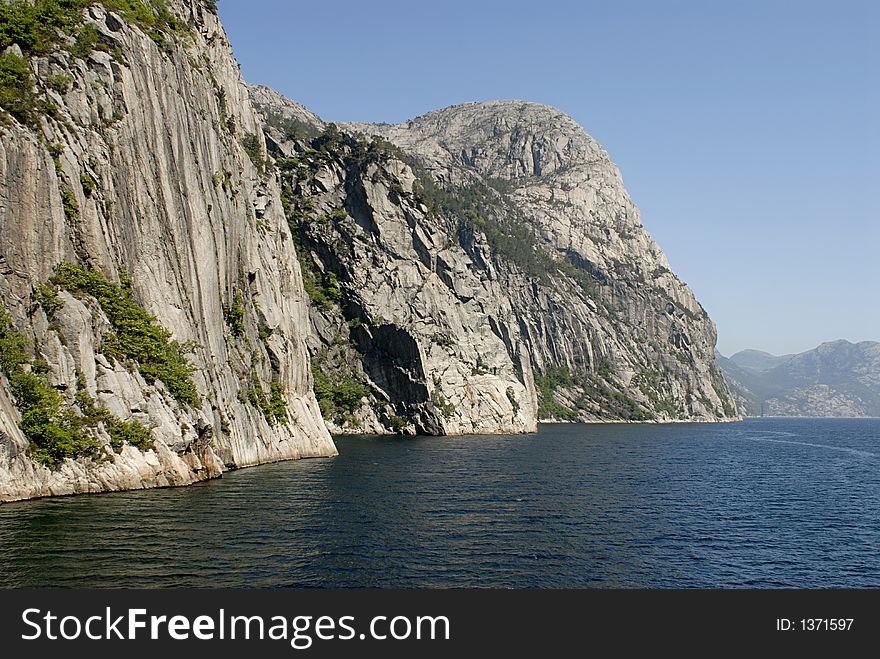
x: 747, y: 132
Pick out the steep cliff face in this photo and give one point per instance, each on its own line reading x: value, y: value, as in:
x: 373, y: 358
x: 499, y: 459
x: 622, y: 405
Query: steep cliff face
x: 142, y: 164
x: 613, y: 332
x: 405, y: 337
x: 494, y: 246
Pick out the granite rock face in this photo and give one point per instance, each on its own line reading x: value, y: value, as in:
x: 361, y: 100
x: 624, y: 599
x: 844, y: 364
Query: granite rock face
x: 403, y: 335
x: 488, y: 269
x: 151, y: 163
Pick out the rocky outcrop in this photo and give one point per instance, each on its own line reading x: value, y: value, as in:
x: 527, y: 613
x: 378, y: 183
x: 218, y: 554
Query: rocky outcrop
x: 146, y: 158
x: 835, y: 379
x: 404, y: 334
x: 487, y: 268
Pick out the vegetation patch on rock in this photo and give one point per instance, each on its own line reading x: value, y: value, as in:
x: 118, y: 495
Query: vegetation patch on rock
x: 37, y: 26
x: 136, y: 335
x: 339, y: 394
x: 55, y: 429
x: 272, y: 403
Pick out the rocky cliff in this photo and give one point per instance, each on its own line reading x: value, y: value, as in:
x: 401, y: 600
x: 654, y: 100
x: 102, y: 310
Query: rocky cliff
x: 197, y: 276
x: 482, y: 266
x: 154, y: 319
x: 835, y: 379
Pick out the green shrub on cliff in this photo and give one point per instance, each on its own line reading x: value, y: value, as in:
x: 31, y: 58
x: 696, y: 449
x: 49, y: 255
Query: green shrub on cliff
x: 234, y: 315
x: 13, y: 347
x: 52, y: 426
x: 36, y: 26
x: 294, y: 129
x: 136, y: 334
x: 132, y: 432
x: 48, y: 299
x: 252, y: 147
x: 69, y: 204
x: 546, y: 383
x: 272, y: 405
x: 59, y: 83
x: 321, y: 287
x: 16, y: 87
x: 54, y: 430
x: 86, y: 41
x: 339, y: 394
x: 88, y: 184
x: 149, y: 16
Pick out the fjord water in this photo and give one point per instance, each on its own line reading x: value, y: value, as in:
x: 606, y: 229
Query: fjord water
x: 763, y: 503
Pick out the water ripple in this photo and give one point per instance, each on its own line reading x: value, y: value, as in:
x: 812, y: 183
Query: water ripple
x: 863, y: 454
x: 575, y: 506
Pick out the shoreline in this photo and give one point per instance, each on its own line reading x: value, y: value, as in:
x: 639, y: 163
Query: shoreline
x: 842, y: 418
x: 548, y: 422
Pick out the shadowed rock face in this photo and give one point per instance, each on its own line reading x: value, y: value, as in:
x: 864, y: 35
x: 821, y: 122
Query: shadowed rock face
x: 176, y: 201
x: 499, y: 237
x: 835, y: 379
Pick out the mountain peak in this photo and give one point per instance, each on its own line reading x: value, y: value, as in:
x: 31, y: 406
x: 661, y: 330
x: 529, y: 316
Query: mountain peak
x: 509, y: 139
x: 757, y: 360
x: 510, y: 108
x: 270, y: 102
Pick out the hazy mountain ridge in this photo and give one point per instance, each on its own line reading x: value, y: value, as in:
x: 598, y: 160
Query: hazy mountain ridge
x: 837, y: 379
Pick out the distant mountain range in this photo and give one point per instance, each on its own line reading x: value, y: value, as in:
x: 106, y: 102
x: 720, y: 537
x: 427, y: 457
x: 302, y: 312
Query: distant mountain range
x: 835, y: 379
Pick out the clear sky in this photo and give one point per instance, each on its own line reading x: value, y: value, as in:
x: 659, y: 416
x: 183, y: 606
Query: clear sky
x: 747, y: 132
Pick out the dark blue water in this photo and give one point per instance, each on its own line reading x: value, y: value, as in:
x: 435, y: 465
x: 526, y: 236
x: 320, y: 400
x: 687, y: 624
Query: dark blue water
x: 764, y: 503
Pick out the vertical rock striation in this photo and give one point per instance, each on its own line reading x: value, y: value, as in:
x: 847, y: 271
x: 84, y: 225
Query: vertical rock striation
x: 146, y: 165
